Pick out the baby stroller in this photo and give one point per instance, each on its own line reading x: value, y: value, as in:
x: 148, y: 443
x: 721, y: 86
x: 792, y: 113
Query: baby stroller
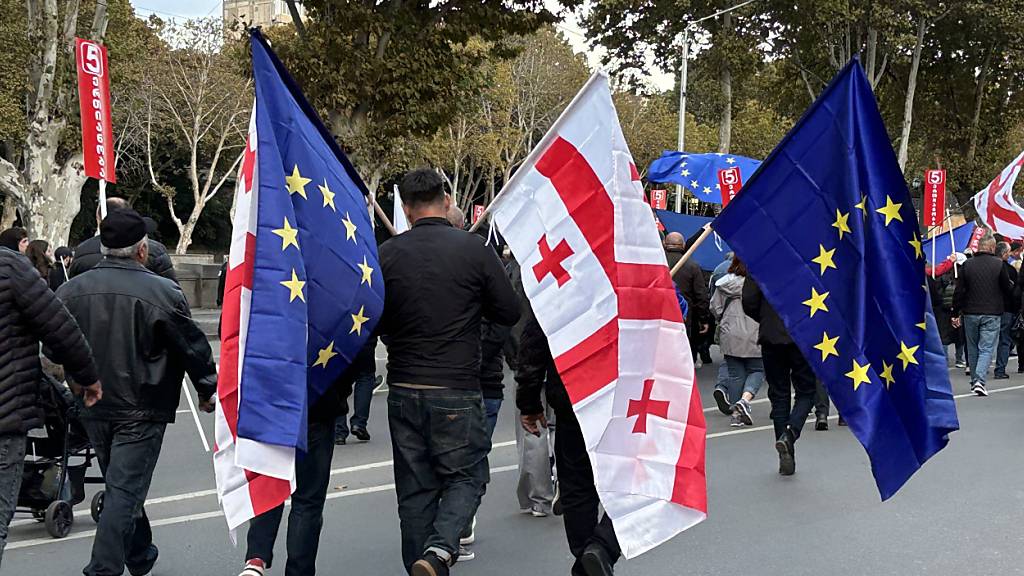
x: 55, y: 463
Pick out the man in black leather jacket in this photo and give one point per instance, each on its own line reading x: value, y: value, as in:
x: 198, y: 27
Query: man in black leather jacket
x: 88, y: 253
x: 144, y: 341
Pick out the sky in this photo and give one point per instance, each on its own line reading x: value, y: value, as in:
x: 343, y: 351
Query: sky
x: 569, y: 28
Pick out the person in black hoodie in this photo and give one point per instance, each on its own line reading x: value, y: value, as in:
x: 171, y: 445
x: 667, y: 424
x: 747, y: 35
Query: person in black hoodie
x: 591, y: 537
x: 786, y: 371
x: 30, y: 315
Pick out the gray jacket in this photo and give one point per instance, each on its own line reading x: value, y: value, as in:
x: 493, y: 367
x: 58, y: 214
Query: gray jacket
x: 737, y: 331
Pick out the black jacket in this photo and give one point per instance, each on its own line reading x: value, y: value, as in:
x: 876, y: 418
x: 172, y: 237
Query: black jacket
x: 439, y: 282
x: 535, y: 369
x: 771, y: 330
x: 1010, y: 301
x: 56, y: 277
x: 493, y: 338
x: 690, y: 281
x: 87, y: 256
x: 984, y: 287
x: 140, y: 326
x: 30, y: 314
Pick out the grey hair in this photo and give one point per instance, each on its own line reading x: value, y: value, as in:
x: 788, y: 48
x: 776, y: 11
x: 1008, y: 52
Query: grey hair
x: 1002, y: 249
x: 127, y: 252
x: 987, y: 243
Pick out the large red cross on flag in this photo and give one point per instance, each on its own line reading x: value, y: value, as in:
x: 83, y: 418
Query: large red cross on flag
x: 996, y: 205
x: 575, y: 214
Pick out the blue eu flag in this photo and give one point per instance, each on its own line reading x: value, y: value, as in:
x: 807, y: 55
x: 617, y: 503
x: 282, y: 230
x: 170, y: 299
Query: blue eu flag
x: 698, y: 173
x: 827, y: 229
x: 317, y: 290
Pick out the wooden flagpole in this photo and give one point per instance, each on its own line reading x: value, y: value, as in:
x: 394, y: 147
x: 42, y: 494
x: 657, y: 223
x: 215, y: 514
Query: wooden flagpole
x: 693, y: 248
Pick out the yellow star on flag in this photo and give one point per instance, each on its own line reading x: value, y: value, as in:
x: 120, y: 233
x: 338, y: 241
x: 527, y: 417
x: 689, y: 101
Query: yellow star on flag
x: 367, y: 272
x: 296, y: 286
x: 916, y: 243
x: 923, y: 325
x: 859, y: 375
x: 824, y: 258
x: 863, y: 206
x: 841, y: 223
x: 350, y: 228
x: 289, y: 236
x: 827, y: 346
x: 891, y: 210
x: 887, y: 374
x: 296, y: 183
x: 325, y: 355
x: 358, y: 319
x: 328, y: 195
x: 817, y: 302
x: 907, y: 354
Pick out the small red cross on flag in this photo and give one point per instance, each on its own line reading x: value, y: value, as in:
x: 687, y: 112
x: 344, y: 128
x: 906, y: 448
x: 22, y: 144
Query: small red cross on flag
x: 613, y: 326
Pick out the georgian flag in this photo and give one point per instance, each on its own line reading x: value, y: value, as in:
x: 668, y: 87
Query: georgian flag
x: 595, y: 273
x: 997, y: 207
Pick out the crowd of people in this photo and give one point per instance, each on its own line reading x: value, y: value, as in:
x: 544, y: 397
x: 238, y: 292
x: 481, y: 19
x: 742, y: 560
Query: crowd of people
x: 455, y: 315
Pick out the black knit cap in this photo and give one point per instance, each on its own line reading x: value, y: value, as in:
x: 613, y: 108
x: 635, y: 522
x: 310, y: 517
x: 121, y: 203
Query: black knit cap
x: 122, y: 228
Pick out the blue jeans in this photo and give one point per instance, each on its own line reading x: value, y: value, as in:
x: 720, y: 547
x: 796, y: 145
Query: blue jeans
x: 745, y: 375
x: 1005, y: 340
x: 440, y: 445
x: 12, y: 462
x: 306, y: 519
x: 982, y: 338
x: 491, y: 408
x: 362, y: 395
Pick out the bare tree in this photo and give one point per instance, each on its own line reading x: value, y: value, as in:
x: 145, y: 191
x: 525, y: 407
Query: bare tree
x: 195, y: 94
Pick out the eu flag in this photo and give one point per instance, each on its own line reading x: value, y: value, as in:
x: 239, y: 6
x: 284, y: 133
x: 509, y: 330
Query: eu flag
x: 317, y: 290
x: 827, y: 229
x: 698, y: 173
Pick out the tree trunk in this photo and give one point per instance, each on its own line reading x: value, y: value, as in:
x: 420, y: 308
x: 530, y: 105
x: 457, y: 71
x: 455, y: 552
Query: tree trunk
x: 10, y: 213
x: 979, y: 98
x: 185, y: 239
x: 55, y: 195
x: 908, y: 105
x: 725, y: 78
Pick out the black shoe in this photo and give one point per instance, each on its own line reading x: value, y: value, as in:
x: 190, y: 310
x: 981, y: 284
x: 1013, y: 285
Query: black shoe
x: 339, y: 441
x: 787, y: 456
x: 705, y: 358
x: 1003, y: 376
x: 723, y: 401
x: 821, y: 423
x: 596, y: 562
x: 429, y: 565
x: 361, y: 434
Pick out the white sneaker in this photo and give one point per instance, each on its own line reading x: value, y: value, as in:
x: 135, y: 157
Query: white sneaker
x: 979, y: 389
x: 538, y: 512
x: 467, y: 540
x: 465, y: 554
x: 254, y: 569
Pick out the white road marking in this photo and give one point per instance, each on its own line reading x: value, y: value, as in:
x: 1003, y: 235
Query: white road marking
x: 347, y: 493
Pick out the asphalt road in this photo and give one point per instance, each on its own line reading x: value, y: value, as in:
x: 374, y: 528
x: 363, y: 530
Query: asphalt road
x: 960, y: 515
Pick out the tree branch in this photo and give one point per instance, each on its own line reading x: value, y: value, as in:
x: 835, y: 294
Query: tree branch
x: 300, y: 26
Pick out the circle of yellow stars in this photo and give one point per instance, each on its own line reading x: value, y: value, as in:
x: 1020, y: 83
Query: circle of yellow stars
x: 859, y: 374
x: 295, y: 184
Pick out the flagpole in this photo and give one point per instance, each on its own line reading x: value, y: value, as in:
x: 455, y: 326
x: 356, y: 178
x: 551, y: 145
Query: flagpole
x: 933, y: 255
x: 693, y: 248
x: 952, y: 245
x: 541, y: 146
x: 103, y: 198
x: 195, y: 416
x: 382, y: 215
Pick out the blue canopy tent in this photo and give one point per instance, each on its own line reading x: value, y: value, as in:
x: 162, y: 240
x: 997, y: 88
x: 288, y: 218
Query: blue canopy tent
x: 711, y: 253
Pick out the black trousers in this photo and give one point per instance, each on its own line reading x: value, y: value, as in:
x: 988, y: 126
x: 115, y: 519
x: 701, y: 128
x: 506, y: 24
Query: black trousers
x: 577, y: 492
x: 821, y: 402
x: 306, y: 519
x: 127, y: 452
x: 787, y: 373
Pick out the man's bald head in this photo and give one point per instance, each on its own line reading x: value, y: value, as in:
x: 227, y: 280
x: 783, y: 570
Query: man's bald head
x: 675, y: 241
x: 113, y: 204
x: 456, y: 217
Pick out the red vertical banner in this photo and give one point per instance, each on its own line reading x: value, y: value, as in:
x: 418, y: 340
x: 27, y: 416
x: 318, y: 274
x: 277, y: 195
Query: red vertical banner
x: 934, y: 197
x: 729, y: 182
x: 972, y: 246
x: 94, y: 104
x: 478, y: 211
x: 659, y: 199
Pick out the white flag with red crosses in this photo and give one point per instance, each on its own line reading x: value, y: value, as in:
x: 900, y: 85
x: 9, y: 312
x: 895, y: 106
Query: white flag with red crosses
x: 595, y: 273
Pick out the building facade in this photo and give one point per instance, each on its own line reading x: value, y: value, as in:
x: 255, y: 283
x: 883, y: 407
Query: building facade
x: 265, y: 13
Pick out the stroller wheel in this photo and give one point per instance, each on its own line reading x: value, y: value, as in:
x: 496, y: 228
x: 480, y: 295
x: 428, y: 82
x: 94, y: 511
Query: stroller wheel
x: 96, y: 507
x: 59, y: 518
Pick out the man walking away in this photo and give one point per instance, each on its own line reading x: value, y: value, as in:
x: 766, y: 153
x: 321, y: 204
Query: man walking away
x: 89, y: 253
x: 980, y: 297
x: 690, y: 281
x: 1003, y: 252
x: 30, y: 315
x: 439, y: 283
x: 140, y: 329
x: 591, y: 537
x: 786, y: 371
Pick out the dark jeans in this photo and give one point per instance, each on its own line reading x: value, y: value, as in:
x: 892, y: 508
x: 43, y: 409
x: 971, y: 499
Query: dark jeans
x: 821, y: 404
x: 312, y: 477
x: 577, y: 492
x: 12, y: 462
x: 1005, y: 340
x: 362, y: 395
x: 440, y: 444
x: 491, y: 408
x: 127, y: 452
x: 787, y: 372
